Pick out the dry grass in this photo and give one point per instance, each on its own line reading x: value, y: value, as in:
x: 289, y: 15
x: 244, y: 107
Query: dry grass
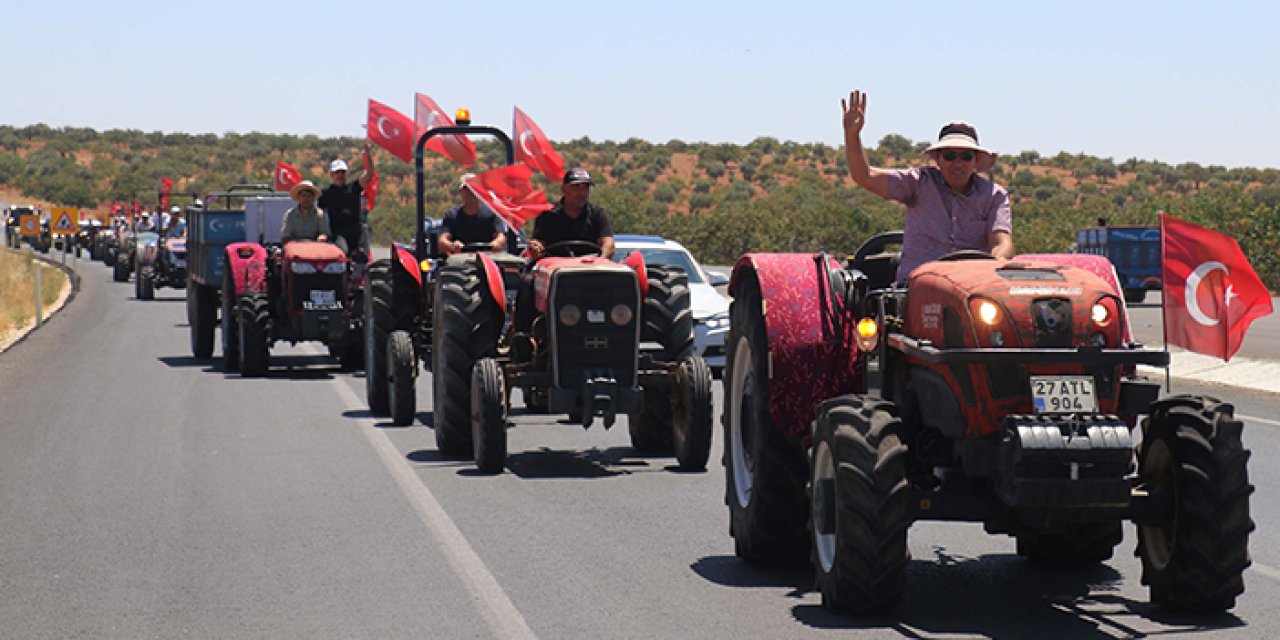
x: 17, y: 288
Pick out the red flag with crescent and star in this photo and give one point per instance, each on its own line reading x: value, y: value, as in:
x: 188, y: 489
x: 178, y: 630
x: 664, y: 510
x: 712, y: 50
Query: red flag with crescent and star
x: 428, y: 115
x: 166, y: 188
x: 508, y: 190
x: 287, y: 176
x: 390, y: 130
x: 370, y: 192
x: 1211, y: 293
x: 534, y: 149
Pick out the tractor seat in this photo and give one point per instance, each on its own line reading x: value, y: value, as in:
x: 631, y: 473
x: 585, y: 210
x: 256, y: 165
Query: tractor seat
x: 313, y: 251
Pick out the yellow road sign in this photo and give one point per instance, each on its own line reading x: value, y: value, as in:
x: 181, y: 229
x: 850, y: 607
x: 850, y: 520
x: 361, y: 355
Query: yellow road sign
x: 63, y: 220
x: 30, y: 224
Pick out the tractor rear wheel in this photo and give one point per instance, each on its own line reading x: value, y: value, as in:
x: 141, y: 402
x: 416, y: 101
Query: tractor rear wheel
x: 403, y: 399
x: 859, y: 505
x: 466, y: 330
x: 691, y: 429
x: 668, y: 321
x: 201, y: 315
x: 230, y: 325
x: 765, y: 471
x: 390, y: 303
x: 255, y: 332
x: 1192, y: 454
x: 489, y: 416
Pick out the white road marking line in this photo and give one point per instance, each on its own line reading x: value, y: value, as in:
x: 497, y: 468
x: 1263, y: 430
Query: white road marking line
x: 502, y: 617
x: 1270, y: 572
x: 1241, y: 416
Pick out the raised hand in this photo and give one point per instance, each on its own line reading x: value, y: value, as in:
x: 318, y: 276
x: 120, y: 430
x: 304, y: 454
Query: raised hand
x: 855, y: 112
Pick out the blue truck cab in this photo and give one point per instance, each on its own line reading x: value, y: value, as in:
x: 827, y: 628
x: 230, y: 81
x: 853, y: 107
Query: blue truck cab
x: 1135, y: 252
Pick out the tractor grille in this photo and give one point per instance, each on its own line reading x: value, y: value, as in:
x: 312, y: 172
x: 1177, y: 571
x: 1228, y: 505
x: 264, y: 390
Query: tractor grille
x: 1053, y: 322
x: 595, y: 347
x: 300, y: 298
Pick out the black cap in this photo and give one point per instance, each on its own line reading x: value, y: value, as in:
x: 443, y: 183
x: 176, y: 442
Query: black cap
x: 577, y: 175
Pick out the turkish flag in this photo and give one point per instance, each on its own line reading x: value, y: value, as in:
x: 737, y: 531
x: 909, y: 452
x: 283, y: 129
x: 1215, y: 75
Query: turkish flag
x: 428, y: 115
x: 1211, y: 293
x: 390, y: 130
x: 533, y: 148
x: 287, y: 176
x: 370, y: 192
x: 166, y: 188
x: 508, y: 190
x: 116, y: 208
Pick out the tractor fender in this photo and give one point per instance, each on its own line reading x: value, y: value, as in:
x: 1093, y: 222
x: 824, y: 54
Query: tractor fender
x: 807, y: 362
x: 247, y: 264
x: 408, y: 261
x: 635, y: 260
x: 493, y: 281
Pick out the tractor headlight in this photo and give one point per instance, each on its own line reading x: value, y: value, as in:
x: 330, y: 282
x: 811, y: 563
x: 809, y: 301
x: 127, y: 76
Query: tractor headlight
x: 620, y: 314
x: 570, y: 314
x: 335, y: 267
x: 1101, y: 315
x: 303, y: 267
x: 988, y: 312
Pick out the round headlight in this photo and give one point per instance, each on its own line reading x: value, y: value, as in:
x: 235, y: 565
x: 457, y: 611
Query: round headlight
x: 988, y: 312
x: 1101, y: 315
x: 620, y: 314
x: 570, y: 314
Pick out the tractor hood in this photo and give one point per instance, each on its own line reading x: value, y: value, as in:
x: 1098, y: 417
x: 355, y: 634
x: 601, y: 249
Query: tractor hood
x: 547, y: 268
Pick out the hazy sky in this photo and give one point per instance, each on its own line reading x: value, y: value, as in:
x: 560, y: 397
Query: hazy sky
x: 1175, y: 81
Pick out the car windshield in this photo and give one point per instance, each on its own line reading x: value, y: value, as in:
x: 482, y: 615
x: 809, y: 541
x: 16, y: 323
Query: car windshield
x: 673, y: 257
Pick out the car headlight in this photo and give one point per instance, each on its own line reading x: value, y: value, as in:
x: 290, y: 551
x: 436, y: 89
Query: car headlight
x: 716, y: 320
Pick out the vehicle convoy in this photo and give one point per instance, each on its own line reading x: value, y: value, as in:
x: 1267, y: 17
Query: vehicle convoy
x: 1007, y: 396
x: 122, y: 258
x: 609, y: 339
x: 1135, y: 252
x: 160, y: 261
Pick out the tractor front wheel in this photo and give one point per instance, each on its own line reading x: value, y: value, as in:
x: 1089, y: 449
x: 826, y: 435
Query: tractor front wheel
x: 466, y: 329
x: 403, y: 399
x: 691, y: 427
x: 255, y: 332
x: 489, y: 416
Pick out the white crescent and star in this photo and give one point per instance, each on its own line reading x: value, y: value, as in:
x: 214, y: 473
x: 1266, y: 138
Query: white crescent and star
x: 381, y: 130
x: 1193, y: 288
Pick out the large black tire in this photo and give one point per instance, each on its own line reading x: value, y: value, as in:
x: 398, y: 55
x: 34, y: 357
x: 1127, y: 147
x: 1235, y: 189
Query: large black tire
x: 389, y: 304
x: 466, y: 329
x: 201, y: 315
x: 145, y: 287
x: 489, y: 416
x: 1192, y: 454
x: 668, y: 321
x: 230, y: 324
x: 120, y: 271
x: 403, y: 397
x: 255, y: 332
x: 109, y: 257
x: 1075, y: 543
x: 765, y: 471
x: 859, y: 504
x: 1135, y: 296
x: 691, y: 428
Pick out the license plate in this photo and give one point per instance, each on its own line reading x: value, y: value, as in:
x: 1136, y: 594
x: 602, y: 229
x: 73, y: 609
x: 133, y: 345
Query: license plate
x: 320, y: 298
x: 1063, y: 394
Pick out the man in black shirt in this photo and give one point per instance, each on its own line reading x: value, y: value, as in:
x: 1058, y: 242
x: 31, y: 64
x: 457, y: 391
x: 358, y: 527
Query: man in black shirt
x: 472, y: 222
x: 573, y: 218
x: 341, y: 202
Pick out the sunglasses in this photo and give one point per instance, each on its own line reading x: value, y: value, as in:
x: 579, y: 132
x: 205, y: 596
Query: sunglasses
x: 950, y: 156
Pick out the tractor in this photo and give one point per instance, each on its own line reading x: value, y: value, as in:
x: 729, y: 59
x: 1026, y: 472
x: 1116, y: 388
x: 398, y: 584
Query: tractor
x: 1006, y: 395
x: 609, y: 339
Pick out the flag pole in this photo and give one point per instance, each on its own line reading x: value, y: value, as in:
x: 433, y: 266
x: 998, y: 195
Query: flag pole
x: 1164, y: 324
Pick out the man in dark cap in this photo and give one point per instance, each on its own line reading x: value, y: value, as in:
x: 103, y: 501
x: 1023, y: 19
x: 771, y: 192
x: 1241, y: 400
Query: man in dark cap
x: 573, y: 218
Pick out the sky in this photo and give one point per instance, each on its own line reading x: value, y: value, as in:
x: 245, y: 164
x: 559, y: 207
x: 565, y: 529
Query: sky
x: 1173, y: 81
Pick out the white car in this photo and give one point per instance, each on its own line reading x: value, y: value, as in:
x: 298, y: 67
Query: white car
x: 710, y: 308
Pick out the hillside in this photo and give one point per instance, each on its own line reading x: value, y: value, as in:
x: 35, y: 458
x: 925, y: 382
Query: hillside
x: 719, y: 199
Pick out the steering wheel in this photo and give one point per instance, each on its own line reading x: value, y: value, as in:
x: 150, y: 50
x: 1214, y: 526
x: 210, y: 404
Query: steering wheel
x: 476, y: 247
x: 876, y: 244
x: 572, y: 249
x: 966, y: 254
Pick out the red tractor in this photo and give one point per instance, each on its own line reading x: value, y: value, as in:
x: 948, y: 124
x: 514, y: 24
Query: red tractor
x: 1007, y: 396
x: 609, y: 340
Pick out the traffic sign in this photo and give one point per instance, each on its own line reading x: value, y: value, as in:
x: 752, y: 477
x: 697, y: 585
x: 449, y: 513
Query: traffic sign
x: 63, y: 220
x: 30, y: 224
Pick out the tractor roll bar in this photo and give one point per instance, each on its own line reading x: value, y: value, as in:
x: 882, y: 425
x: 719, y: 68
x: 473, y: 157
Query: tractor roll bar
x: 419, y: 233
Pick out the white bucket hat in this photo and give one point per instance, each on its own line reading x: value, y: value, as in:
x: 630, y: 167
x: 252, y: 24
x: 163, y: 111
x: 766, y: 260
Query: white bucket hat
x: 962, y: 135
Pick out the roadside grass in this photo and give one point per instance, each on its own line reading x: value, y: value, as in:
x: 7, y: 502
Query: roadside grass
x: 17, y: 288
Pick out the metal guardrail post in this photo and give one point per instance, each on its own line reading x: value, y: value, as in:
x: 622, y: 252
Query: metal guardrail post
x: 35, y: 267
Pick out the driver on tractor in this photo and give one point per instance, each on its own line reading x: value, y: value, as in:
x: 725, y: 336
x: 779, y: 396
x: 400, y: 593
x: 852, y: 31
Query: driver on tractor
x: 305, y: 221
x: 471, y: 223
x: 950, y: 207
x: 573, y: 219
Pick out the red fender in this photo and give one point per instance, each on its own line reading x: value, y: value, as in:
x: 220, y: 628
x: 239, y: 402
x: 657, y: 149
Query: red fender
x: 493, y: 278
x: 806, y: 364
x: 636, y: 261
x: 407, y: 260
x: 247, y: 263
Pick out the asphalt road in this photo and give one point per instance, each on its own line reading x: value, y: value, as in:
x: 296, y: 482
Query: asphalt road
x: 147, y: 494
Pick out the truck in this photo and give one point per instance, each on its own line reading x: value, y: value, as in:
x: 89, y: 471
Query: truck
x: 1135, y: 252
